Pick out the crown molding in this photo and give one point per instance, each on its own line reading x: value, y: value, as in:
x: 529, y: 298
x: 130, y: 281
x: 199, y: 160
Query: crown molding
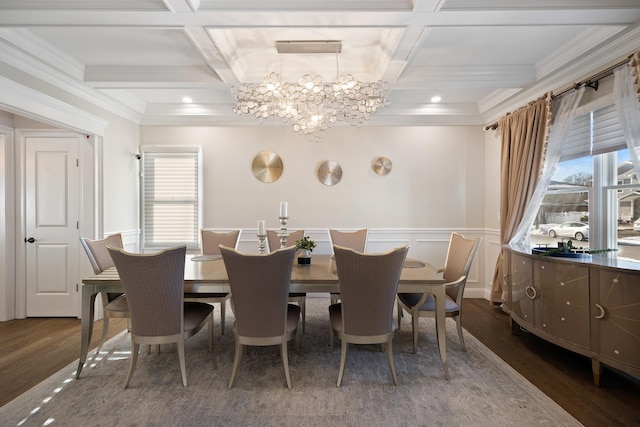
x: 30, y: 64
x: 45, y: 52
x: 572, y: 51
x: 26, y: 102
x: 598, y: 58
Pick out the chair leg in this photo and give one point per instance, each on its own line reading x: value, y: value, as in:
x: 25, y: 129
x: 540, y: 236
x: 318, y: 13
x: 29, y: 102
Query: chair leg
x: 183, y: 369
x: 236, y: 362
x: 210, y: 332
x: 285, y: 362
x: 459, y: 326
x: 343, y: 360
x: 330, y: 329
x: 399, y: 315
x: 135, y: 348
x: 389, y: 350
x: 105, y: 327
x: 303, y: 311
x: 415, y: 317
x: 223, y: 310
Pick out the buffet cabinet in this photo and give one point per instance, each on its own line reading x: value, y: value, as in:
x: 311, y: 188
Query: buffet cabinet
x: 587, y: 305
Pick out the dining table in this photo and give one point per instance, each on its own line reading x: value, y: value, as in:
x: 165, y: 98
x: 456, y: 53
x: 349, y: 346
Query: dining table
x: 207, y: 274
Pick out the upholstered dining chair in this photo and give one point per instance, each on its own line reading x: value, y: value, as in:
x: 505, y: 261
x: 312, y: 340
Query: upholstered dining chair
x: 210, y: 241
x: 114, y: 305
x: 299, y: 298
x: 274, y: 240
x: 259, y: 293
x: 456, y: 270
x: 368, y: 286
x: 356, y: 240
x: 154, y: 285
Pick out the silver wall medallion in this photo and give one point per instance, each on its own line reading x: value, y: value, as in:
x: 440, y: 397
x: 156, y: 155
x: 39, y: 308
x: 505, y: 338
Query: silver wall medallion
x: 267, y: 166
x: 329, y: 172
x: 381, y: 165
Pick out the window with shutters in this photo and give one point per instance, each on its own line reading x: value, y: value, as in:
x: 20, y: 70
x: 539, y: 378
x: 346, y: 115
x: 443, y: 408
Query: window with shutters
x: 594, y: 184
x: 171, y: 192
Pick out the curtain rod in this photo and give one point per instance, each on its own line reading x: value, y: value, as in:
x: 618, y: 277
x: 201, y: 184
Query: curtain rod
x: 591, y: 82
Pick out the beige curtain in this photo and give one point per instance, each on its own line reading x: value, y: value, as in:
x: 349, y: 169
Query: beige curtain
x: 524, y: 135
x: 634, y: 63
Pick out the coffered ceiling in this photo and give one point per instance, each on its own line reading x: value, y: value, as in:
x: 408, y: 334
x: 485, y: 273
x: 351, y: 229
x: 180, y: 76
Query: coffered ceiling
x: 140, y: 58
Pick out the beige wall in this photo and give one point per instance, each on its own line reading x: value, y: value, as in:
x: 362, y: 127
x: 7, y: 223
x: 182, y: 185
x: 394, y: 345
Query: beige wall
x: 120, y: 176
x: 437, y: 180
x: 491, y: 246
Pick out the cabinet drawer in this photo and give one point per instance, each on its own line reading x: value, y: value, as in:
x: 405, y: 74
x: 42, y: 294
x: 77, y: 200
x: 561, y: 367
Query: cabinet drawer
x: 563, y: 301
x: 618, y: 316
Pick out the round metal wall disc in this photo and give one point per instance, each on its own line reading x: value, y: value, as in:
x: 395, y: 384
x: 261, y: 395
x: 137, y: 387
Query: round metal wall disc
x: 267, y: 166
x: 329, y: 172
x: 381, y: 165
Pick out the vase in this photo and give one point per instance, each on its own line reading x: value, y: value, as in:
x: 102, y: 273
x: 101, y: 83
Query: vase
x: 304, y: 256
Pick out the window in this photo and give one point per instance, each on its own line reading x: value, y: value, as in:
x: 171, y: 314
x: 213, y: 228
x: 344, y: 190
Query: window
x: 594, y: 184
x: 171, y: 193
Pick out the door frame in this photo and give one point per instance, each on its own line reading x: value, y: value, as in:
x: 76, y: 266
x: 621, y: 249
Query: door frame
x: 89, y: 203
x: 7, y: 228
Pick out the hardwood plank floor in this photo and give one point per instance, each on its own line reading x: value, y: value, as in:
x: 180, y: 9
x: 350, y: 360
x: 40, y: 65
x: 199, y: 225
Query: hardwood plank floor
x: 562, y: 375
x: 33, y: 349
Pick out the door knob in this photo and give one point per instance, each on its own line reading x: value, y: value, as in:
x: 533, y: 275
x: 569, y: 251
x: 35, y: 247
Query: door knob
x: 30, y: 240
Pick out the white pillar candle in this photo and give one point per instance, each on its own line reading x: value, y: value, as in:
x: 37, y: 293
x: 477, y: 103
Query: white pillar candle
x: 261, y: 228
x: 283, y: 210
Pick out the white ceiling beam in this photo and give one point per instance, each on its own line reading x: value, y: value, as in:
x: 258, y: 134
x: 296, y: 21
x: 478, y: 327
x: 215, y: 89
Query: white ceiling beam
x: 96, y: 75
x: 138, y: 19
x: 204, y: 45
x: 179, y: 6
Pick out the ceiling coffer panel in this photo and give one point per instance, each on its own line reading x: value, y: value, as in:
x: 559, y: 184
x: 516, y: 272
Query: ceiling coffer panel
x: 308, y: 5
x: 85, y: 5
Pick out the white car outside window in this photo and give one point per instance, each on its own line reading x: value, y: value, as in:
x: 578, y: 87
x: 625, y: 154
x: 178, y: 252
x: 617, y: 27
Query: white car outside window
x: 572, y: 229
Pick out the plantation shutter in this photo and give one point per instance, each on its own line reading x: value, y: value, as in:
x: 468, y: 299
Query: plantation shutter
x: 171, y: 202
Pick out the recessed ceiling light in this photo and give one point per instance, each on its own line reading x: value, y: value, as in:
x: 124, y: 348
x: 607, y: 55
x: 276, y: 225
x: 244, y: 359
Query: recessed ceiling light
x: 187, y: 100
x: 436, y: 99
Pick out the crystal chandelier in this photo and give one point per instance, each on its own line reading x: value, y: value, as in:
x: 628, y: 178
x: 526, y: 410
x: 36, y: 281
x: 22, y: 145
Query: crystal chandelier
x: 310, y: 105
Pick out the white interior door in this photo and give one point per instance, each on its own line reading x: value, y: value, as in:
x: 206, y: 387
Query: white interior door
x: 51, y: 203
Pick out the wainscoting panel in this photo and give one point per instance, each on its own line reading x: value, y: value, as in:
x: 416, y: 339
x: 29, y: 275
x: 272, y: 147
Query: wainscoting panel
x: 429, y: 245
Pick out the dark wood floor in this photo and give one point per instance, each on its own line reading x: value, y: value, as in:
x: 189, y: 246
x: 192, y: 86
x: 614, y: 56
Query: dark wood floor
x: 33, y: 349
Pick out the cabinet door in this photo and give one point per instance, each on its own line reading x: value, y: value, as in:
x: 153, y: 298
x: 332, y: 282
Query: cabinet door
x: 520, y: 272
x: 563, y: 300
x: 618, y: 314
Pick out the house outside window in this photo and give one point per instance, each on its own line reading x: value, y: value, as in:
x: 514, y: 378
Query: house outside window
x: 594, y: 195
x: 171, y: 183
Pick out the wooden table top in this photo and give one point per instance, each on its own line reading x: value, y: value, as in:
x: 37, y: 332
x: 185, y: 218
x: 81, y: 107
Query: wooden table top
x: 319, y: 276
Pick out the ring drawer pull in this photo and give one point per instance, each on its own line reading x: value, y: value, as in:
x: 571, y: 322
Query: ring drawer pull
x: 601, y: 312
x: 531, y: 292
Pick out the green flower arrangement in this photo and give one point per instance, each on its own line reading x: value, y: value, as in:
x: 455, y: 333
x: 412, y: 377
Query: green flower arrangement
x: 306, y: 244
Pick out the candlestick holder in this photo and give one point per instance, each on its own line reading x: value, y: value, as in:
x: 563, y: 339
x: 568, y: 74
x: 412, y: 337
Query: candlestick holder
x: 283, y: 231
x: 262, y: 244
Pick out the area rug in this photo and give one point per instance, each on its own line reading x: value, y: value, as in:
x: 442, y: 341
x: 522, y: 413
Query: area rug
x: 483, y: 390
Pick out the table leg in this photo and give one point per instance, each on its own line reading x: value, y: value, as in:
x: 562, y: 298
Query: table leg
x: 439, y: 295
x: 88, y: 303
